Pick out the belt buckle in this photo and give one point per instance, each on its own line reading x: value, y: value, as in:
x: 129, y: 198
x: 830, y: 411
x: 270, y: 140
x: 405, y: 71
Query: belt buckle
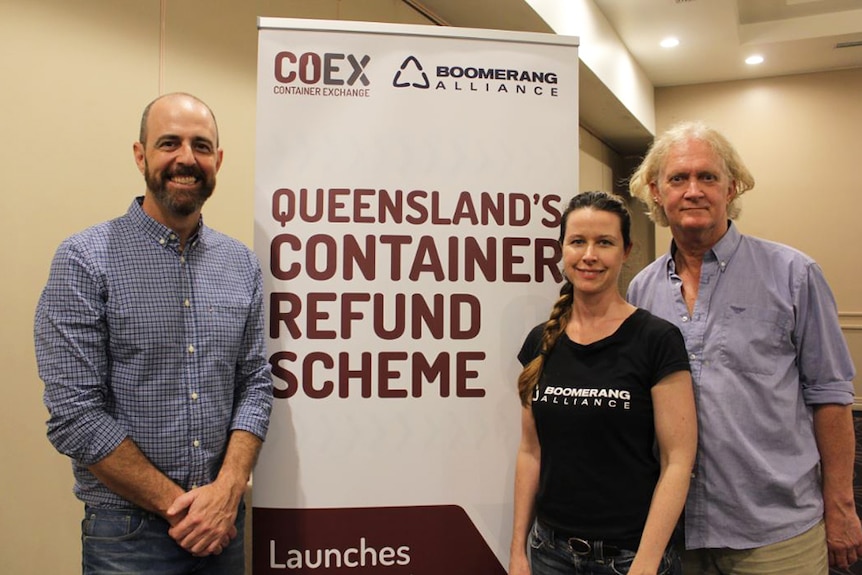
x: 580, y: 546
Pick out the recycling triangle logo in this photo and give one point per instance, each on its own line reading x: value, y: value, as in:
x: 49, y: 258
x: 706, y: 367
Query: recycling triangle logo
x: 411, y: 74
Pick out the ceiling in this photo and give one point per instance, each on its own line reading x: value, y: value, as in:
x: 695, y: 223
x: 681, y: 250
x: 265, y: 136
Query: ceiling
x: 793, y: 36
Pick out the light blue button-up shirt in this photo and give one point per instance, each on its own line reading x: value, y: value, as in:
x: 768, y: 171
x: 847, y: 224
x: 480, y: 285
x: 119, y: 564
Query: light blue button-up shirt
x: 765, y: 346
x: 137, y: 339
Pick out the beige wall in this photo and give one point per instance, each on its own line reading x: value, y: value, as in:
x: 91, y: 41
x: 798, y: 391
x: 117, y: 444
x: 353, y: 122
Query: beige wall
x: 800, y: 137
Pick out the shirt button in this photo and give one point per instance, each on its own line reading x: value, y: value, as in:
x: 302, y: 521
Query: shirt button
x: 187, y: 303
x: 692, y: 356
x: 182, y: 259
x: 196, y: 443
x: 162, y: 241
x: 191, y: 349
x: 194, y: 395
x: 684, y: 318
x: 194, y: 485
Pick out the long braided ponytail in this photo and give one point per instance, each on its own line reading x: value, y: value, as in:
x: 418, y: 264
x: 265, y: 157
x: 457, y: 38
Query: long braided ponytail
x: 554, y: 327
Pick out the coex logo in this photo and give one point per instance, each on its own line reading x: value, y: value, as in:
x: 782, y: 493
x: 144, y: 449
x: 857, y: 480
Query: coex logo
x: 311, y: 68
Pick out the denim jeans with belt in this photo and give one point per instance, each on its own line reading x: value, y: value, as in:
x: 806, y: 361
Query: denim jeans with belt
x: 129, y: 541
x: 558, y: 554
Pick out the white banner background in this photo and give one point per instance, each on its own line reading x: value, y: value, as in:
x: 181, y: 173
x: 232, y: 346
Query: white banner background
x: 516, y: 137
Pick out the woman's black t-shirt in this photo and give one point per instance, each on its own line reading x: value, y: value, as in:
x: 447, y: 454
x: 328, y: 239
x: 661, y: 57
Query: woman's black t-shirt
x: 594, y: 418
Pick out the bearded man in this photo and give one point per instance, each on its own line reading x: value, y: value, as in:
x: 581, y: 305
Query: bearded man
x: 149, y: 340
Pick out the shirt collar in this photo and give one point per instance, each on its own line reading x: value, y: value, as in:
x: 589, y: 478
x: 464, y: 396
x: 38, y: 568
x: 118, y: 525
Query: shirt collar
x: 726, y: 246
x: 160, y: 233
x: 722, y: 251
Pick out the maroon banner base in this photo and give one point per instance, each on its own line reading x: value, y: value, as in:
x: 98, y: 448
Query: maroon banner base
x: 430, y: 540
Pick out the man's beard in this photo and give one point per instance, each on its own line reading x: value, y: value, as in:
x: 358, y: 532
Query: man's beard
x: 182, y: 203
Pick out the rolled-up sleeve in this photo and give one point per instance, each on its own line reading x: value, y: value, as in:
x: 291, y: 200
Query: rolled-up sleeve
x: 253, y: 377
x: 71, y: 339
x: 826, y: 369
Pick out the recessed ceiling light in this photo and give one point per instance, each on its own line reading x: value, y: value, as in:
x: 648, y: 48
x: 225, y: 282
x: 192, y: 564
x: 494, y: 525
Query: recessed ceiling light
x: 753, y: 60
x: 669, y: 42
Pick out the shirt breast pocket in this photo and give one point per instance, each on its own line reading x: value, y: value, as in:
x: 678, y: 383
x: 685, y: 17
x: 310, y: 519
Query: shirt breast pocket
x: 224, y: 324
x: 752, y: 338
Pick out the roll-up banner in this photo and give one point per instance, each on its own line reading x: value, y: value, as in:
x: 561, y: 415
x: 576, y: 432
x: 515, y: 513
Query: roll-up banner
x: 409, y: 184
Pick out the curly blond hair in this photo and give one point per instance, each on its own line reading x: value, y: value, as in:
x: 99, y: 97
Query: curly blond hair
x: 648, y: 172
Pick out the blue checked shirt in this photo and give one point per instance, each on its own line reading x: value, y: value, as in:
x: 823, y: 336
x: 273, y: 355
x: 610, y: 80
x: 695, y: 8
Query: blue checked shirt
x: 135, y: 339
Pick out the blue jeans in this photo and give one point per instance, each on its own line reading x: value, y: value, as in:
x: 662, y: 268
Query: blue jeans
x: 552, y: 554
x: 135, y: 542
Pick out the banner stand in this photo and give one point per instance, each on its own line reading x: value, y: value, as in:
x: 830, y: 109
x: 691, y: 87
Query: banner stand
x: 409, y: 184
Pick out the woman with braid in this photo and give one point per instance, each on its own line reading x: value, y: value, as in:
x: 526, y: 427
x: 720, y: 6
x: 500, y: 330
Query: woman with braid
x: 608, y: 427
